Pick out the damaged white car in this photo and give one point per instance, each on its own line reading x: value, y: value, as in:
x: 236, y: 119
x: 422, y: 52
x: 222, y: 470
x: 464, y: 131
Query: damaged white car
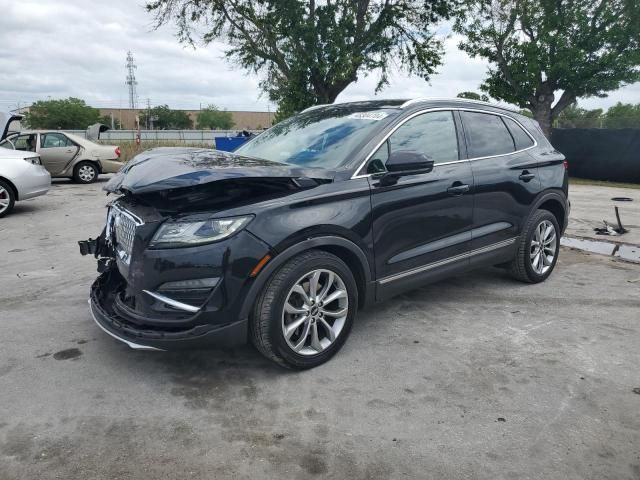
x: 22, y: 174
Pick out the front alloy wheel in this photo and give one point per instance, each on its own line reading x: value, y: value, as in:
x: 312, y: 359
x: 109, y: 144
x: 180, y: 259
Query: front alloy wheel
x: 305, y: 311
x: 315, y: 312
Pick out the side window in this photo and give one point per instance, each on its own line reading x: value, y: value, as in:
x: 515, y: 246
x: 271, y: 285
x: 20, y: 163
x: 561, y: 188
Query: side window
x: 25, y: 142
x: 519, y: 135
x: 432, y: 133
x: 54, y: 140
x: 487, y: 134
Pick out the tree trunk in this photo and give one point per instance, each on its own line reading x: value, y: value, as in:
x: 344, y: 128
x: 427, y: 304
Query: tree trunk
x: 542, y: 113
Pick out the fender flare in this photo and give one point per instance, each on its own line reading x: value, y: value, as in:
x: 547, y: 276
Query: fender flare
x: 556, y: 195
x: 284, y: 256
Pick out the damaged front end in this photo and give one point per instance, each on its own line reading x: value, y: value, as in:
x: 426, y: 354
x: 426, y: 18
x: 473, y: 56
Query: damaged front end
x: 155, y: 294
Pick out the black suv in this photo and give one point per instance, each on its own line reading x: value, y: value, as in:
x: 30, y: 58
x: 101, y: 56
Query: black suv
x: 282, y: 241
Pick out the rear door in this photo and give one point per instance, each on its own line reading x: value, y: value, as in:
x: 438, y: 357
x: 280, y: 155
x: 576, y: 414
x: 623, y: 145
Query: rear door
x: 505, y: 175
x: 56, y: 151
x: 422, y: 223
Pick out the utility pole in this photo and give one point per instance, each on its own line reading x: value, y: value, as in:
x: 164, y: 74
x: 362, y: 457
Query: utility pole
x: 131, y: 81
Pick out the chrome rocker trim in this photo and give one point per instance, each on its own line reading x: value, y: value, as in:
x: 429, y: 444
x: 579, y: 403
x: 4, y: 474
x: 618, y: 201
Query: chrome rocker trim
x: 446, y: 261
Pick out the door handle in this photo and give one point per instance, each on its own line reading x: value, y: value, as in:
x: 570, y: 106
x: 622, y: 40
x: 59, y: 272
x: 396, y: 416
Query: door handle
x: 458, y: 188
x: 526, y: 176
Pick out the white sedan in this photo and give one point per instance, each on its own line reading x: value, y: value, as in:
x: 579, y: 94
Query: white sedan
x: 22, y: 176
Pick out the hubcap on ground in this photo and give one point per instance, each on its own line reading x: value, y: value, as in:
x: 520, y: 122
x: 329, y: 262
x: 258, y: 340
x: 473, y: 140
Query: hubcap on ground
x: 543, y: 247
x: 86, y: 173
x: 4, y: 199
x: 315, y: 311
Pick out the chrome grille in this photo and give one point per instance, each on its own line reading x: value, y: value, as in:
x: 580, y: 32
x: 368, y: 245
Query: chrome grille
x: 124, y: 226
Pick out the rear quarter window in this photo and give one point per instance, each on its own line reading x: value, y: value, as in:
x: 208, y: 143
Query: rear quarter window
x: 522, y: 139
x: 487, y: 134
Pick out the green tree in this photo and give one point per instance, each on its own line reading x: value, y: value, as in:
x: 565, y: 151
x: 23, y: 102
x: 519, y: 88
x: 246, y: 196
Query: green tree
x: 308, y: 52
x: 537, y: 48
x: 576, y: 117
x: 623, y: 115
x: 211, y: 117
x: 163, y: 118
x: 68, y: 114
x: 473, y: 96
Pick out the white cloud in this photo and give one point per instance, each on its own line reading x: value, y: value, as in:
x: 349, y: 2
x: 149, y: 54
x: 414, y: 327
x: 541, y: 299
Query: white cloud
x: 78, y: 48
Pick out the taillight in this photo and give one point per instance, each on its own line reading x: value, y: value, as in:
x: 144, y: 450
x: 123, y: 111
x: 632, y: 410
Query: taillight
x: 118, y: 152
x: 566, y: 164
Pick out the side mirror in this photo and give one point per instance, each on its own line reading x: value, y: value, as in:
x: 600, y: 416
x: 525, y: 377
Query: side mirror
x: 406, y: 162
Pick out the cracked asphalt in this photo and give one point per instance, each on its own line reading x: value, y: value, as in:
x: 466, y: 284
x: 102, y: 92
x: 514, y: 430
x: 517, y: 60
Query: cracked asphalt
x: 475, y: 377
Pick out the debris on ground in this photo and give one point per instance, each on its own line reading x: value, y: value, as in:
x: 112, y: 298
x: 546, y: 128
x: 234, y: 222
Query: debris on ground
x: 610, y: 230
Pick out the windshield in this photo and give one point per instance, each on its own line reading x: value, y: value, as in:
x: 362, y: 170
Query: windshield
x: 318, y: 138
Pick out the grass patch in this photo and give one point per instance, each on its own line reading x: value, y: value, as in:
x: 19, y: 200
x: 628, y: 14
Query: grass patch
x: 602, y: 183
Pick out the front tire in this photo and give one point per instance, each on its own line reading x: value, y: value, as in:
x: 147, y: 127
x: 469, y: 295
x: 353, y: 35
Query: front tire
x: 538, y: 249
x: 305, y: 312
x: 7, y: 198
x: 85, y: 172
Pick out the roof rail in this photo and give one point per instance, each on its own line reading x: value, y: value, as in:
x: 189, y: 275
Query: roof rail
x: 313, y: 107
x: 459, y: 99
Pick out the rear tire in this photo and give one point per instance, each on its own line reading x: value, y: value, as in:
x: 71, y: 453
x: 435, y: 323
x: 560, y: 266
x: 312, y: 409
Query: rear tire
x: 7, y: 198
x: 538, y: 249
x: 85, y: 172
x: 305, y: 311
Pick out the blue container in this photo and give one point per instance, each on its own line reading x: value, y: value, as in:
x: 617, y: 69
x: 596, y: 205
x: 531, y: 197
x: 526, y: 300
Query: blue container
x: 229, y: 144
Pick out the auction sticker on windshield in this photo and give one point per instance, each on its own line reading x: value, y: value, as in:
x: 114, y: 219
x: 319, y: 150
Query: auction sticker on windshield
x: 368, y: 115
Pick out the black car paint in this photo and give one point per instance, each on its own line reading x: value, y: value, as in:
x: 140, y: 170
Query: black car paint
x: 369, y: 223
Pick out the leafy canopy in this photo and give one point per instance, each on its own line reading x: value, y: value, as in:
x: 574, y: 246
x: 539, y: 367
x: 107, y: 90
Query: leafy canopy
x: 69, y: 114
x: 473, y: 96
x: 576, y: 117
x: 623, y: 115
x: 211, y: 117
x: 163, y: 118
x: 537, y: 48
x: 307, y: 52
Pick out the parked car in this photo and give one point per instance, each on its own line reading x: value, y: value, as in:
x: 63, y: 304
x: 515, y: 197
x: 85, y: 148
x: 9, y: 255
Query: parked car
x: 22, y: 175
x: 67, y: 155
x: 339, y: 207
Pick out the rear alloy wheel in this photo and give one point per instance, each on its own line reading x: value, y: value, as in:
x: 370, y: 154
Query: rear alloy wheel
x: 7, y: 198
x: 85, y: 172
x: 538, y: 249
x: 306, y: 310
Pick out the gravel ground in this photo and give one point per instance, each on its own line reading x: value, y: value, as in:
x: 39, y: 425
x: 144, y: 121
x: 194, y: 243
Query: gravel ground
x: 476, y: 377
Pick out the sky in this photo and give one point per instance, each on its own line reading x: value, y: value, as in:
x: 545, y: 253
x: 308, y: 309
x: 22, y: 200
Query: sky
x: 61, y: 48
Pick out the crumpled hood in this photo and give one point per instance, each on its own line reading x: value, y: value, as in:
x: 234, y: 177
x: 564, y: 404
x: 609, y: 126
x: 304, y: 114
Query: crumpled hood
x: 168, y: 168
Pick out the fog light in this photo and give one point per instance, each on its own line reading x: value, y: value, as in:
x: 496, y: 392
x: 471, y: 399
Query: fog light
x: 190, y: 284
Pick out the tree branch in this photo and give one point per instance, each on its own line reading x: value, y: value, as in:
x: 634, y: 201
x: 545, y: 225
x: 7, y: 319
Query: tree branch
x: 566, y: 99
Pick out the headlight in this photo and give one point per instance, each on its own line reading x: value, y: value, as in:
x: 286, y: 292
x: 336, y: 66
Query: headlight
x: 34, y: 160
x: 186, y: 234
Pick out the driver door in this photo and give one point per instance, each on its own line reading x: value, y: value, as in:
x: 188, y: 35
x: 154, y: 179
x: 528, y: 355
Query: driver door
x: 422, y: 223
x: 56, y: 151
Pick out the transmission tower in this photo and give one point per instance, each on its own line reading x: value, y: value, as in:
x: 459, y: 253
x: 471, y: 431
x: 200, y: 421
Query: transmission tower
x: 131, y: 81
